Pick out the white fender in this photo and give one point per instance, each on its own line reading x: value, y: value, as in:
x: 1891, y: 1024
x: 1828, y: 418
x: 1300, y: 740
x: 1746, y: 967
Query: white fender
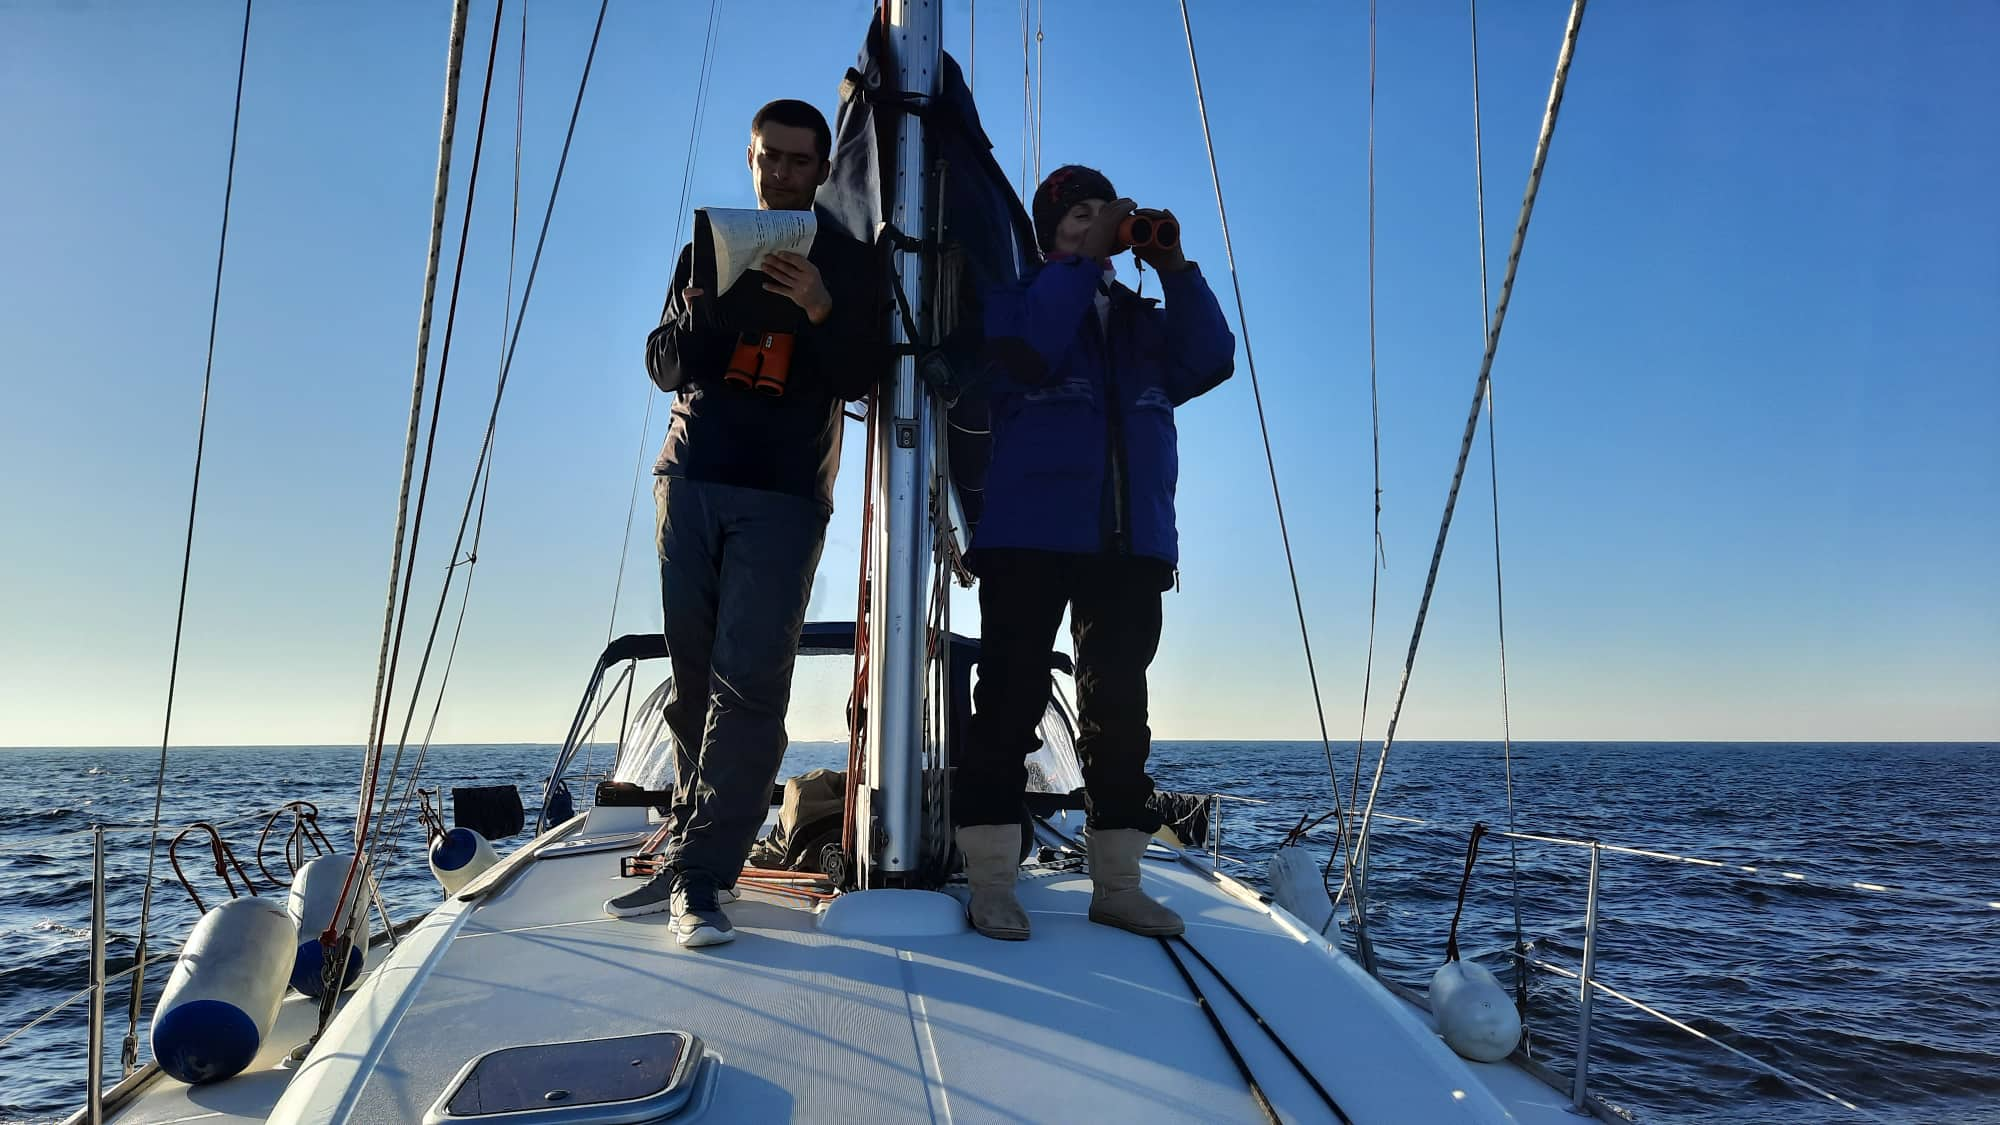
x: 1473, y: 1013
x: 315, y: 890
x: 1297, y: 886
x: 459, y: 857
x: 223, y: 996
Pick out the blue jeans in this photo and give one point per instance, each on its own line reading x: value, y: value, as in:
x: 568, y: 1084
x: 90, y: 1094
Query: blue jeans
x: 736, y: 570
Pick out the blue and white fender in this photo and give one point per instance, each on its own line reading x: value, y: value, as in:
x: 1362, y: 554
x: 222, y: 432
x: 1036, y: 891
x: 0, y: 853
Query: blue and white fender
x: 459, y: 856
x: 315, y: 891
x: 222, y: 999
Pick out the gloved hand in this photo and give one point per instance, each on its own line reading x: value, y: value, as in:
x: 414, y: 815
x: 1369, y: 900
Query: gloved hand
x: 1164, y: 259
x: 1101, y: 240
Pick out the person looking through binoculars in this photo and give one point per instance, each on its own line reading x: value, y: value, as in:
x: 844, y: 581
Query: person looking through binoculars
x: 1079, y: 515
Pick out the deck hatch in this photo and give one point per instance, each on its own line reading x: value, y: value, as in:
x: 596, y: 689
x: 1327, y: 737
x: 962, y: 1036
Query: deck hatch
x: 627, y: 1078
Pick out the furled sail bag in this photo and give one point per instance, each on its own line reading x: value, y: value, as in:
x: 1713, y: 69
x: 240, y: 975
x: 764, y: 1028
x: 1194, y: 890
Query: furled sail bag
x: 983, y: 236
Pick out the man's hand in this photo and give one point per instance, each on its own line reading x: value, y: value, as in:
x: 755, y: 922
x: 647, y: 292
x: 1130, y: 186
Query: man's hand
x: 692, y: 314
x: 798, y: 279
x: 1101, y: 240
x: 1164, y: 260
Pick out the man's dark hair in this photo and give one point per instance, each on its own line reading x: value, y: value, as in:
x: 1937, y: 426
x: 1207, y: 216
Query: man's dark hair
x: 799, y: 115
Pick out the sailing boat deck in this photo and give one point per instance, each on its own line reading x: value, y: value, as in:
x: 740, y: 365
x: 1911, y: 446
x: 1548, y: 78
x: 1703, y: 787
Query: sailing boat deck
x: 805, y: 1024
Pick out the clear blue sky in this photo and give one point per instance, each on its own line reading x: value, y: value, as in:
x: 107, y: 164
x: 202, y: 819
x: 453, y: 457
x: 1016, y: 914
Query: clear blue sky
x: 1747, y: 394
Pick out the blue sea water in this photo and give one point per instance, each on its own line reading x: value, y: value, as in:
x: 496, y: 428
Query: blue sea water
x: 1888, y: 998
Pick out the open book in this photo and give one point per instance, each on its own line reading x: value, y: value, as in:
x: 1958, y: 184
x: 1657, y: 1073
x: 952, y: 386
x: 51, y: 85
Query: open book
x: 729, y: 242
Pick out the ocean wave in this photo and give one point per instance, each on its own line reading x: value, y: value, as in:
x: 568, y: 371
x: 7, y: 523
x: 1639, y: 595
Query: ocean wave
x: 31, y: 822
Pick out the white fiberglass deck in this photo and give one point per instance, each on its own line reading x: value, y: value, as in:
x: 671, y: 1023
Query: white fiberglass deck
x: 1081, y: 1023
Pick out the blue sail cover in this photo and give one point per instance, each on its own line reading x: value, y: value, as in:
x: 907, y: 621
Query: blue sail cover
x: 984, y: 235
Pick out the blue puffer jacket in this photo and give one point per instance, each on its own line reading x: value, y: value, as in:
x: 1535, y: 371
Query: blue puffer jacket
x: 1084, y: 453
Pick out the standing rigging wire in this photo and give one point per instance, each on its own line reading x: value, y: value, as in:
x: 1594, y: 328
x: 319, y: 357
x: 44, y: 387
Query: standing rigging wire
x: 471, y: 560
x: 1257, y: 396
x: 1377, y: 557
x: 330, y: 941
x: 1499, y: 588
x: 329, y: 937
x: 1542, y: 142
x: 392, y: 825
x: 972, y: 49
x: 380, y: 736
x: 1027, y: 104
x: 680, y: 225
x: 441, y: 192
x: 129, y: 1053
x: 1038, y: 91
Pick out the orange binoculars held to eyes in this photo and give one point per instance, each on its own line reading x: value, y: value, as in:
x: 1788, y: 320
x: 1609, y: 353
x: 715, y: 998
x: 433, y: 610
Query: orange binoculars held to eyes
x: 762, y: 361
x: 1149, y: 228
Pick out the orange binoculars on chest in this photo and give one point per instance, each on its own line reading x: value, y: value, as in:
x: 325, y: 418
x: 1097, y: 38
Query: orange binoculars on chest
x: 762, y: 362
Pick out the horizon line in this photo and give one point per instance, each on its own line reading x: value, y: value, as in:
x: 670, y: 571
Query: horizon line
x: 1157, y: 741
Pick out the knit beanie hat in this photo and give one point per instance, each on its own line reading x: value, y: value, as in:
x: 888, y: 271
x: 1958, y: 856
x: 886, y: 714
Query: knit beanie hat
x: 1066, y: 187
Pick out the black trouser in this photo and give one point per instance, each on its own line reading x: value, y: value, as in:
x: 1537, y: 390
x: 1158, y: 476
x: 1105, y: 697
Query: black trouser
x: 1114, y: 606
x: 736, y: 565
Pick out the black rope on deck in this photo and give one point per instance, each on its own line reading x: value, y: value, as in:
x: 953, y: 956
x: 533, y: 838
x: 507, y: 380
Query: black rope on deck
x: 1222, y: 1033
x: 1276, y: 1040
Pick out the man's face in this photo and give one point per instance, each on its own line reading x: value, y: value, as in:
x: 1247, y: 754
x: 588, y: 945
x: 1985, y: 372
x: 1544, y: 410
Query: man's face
x: 1075, y: 222
x: 785, y: 167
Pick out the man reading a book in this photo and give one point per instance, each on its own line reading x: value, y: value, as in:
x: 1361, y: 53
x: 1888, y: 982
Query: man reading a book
x: 744, y: 488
